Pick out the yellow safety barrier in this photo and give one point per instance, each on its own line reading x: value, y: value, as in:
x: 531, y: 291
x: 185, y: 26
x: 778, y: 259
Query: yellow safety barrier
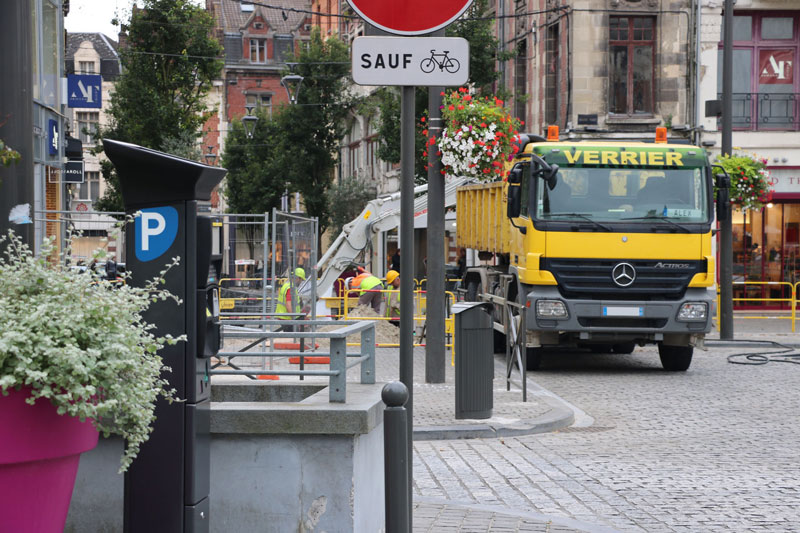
x: 792, y: 301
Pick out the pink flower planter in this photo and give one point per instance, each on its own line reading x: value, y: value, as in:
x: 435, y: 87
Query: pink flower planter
x: 39, y: 455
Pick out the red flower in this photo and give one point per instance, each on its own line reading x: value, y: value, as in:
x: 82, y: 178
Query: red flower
x: 483, y: 124
x: 485, y: 170
x: 460, y: 107
x: 422, y: 119
x: 451, y: 107
x: 425, y: 132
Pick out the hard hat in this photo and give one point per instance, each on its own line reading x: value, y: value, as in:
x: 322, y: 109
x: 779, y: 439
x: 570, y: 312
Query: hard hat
x: 391, y: 276
x: 300, y: 273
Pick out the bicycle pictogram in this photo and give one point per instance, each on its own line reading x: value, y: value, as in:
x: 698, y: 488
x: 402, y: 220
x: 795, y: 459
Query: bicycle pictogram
x: 450, y: 64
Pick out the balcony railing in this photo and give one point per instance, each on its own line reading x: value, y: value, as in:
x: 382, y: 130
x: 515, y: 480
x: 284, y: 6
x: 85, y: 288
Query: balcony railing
x: 766, y: 111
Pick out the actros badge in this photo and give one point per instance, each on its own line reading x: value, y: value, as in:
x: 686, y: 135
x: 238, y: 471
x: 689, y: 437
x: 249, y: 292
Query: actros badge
x: 155, y: 230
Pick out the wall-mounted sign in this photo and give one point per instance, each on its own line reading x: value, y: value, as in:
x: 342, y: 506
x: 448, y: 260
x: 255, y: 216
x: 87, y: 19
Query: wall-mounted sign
x: 84, y: 90
x: 785, y: 180
x: 776, y: 67
x: 587, y: 120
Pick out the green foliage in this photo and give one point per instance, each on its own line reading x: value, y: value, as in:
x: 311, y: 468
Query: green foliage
x: 168, y: 67
x: 256, y: 177
x: 80, y: 342
x: 349, y: 198
x: 750, y: 179
x: 8, y: 155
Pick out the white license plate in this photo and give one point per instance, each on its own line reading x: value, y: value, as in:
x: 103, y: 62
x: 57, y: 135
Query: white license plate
x: 623, y: 311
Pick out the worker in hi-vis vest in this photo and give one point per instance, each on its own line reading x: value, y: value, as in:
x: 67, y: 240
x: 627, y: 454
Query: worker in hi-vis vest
x: 370, y: 294
x: 393, y: 299
x: 286, y: 299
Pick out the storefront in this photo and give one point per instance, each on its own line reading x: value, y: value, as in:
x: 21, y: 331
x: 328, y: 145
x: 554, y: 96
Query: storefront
x: 766, y: 246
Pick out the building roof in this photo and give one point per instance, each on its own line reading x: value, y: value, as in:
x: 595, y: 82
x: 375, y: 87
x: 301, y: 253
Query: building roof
x: 233, y: 19
x: 105, y: 47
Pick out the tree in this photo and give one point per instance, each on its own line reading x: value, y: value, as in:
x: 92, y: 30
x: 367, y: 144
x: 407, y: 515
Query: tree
x: 256, y: 178
x: 168, y: 66
x: 313, y: 129
x: 350, y: 197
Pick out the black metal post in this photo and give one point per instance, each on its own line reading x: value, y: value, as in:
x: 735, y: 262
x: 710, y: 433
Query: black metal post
x: 395, y: 456
x: 726, y: 225
x: 435, y: 303
x: 407, y: 264
x: 16, y: 113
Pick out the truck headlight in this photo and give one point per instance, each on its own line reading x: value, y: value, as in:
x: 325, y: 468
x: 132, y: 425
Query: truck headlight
x: 551, y: 309
x: 693, y: 311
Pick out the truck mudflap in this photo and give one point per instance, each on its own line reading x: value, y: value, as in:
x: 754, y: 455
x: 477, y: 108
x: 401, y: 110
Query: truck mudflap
x: 616, y: 320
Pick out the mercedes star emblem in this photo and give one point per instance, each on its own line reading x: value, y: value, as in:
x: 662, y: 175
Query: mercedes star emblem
x: 623, y: 274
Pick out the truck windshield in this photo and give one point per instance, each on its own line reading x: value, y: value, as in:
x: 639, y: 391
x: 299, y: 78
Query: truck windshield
x: 630, y: 195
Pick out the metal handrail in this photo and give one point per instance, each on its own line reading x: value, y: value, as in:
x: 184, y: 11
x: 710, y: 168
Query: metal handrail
x: 338, y: 355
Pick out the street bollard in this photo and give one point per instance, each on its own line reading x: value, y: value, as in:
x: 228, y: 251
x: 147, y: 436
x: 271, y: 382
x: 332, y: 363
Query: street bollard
x: 395, y: 456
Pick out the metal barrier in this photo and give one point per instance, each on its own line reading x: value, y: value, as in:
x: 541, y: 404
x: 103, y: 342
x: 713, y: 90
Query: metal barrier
x: 337, y: 373
x: 792, y: 300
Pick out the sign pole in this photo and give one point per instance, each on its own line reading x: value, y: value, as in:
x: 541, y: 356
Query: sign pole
x: 435, y: 359
x: 726, y: 225
x: 407, y: 267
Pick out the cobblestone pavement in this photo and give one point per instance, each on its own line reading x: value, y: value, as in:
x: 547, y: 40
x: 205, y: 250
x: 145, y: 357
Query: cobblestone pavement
x: 709, y: 450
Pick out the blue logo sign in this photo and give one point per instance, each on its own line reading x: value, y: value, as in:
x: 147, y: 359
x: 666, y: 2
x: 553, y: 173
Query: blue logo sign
x: 155, y: 231
x: 84, y: 90
x: 52, y: 136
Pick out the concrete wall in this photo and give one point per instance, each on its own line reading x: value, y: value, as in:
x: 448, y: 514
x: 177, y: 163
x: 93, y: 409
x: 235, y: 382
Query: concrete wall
x: 275, y: 467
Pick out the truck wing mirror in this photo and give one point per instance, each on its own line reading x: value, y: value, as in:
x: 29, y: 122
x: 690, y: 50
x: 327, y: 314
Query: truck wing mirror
x: 722, y: 183
x: 544, y: 170
x: 514, y: 206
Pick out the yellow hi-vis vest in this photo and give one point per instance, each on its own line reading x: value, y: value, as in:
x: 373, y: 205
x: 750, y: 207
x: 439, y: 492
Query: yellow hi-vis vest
x: 370, y: 283
x: 281, y: 307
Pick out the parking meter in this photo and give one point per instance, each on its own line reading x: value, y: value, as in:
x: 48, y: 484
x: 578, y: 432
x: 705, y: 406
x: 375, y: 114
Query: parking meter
x: 167, y: 486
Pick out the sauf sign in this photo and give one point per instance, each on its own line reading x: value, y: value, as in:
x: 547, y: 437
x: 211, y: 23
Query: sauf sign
x: 410, y: 61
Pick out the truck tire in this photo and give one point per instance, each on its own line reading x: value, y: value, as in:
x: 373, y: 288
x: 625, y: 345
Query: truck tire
x: 533, y: 358
x: 675, y: 358
x: 624, y: 347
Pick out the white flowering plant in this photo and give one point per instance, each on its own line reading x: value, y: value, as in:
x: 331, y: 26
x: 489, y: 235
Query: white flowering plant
x: 478, y: 137
x: 751, y: 183
x: 74, y: 339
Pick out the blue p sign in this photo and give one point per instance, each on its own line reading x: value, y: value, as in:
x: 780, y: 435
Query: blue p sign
x: 155, y: 230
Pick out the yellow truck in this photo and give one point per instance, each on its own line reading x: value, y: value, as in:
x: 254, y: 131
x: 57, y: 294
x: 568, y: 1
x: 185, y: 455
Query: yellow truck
x: 607, y: 245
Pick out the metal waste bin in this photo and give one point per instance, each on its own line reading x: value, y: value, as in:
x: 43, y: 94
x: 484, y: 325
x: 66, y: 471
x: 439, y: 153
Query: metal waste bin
x: 474, y: 345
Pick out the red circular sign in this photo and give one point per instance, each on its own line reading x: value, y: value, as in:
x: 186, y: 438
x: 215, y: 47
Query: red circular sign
x: 410, y: 17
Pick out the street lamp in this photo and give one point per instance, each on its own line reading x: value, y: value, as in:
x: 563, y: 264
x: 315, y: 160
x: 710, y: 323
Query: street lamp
x: 210, y: 156
x: 292, y: 84
x: 249, y: 120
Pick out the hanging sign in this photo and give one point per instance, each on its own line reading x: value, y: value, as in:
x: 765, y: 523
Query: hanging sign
x: 420, y: 61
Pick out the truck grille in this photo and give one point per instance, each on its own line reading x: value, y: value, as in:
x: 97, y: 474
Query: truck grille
x: 623, y: 323
x: 591, y: 279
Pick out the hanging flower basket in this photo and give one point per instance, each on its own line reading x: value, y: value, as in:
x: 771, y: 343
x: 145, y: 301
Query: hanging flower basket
x: 478, y: 138
x: 751, y: 183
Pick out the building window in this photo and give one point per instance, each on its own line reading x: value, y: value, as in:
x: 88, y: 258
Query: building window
x: 352, y: 160
x: 258, y: 51
x: 90, y: 188
x: 261, y: 101
x: 86, y: 67
x: 372, y: 156
x: 88, y: 123
x: 766, y: 49
x: 284, y: 48
x: 631, y: 66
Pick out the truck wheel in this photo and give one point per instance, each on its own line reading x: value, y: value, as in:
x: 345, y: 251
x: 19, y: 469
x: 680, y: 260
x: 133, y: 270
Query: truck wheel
x: 675, y: 358
x: 533, y: 358
x: 624, y: 347
x: 473, y: 287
